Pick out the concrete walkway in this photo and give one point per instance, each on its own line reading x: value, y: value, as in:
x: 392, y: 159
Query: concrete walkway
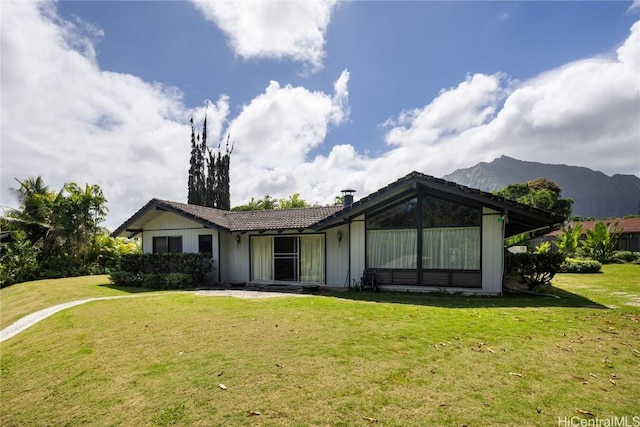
x: 33, y: 318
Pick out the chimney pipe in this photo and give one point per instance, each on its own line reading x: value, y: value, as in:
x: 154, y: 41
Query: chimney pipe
x: 347, y: 197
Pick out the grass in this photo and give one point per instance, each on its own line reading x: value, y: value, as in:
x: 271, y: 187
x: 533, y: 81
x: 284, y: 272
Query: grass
x: 346, y: 360
x: 25, y: 298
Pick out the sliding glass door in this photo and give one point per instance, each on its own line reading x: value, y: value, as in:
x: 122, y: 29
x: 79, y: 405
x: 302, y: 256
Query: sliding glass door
x: 288, y: 258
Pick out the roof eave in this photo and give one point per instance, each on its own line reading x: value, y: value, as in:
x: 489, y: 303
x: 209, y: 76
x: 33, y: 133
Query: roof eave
x: 156, y: 204
x: 523, y: 215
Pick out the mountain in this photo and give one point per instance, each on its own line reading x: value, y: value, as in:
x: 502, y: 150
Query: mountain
x: 594, y: 194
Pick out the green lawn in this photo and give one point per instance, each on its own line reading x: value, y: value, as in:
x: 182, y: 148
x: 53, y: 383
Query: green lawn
x: 349, y: 359
x: 25, y: 298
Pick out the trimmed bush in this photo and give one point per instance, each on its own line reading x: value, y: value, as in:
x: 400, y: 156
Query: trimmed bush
x: 578, y: 265
x: 163, y: 271
x: 534, y: 269
x: 178, y: 281
x: 126, y: 279
x: 622, y: 257
x: 153, y: 281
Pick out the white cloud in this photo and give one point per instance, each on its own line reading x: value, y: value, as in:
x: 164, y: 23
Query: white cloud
x: 471, y: 103
x: 65, y: 119
x: 584, y: 113
x: 635, y: 5
x: 276, y: 131
x: 273, y: 29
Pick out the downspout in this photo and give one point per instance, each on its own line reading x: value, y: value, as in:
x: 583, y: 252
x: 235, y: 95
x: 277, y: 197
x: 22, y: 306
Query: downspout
x: 504, y: 257
x: 349, y: 266
x: 219, y: 253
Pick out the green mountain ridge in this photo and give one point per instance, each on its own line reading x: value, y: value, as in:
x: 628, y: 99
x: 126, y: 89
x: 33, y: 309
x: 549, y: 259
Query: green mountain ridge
x: 594, y: 194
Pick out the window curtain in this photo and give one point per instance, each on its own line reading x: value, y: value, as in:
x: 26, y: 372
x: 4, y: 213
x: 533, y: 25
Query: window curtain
x: 262, y: 257
x: 312, y: 259
x: 392, y: 249
x: 452, y: 248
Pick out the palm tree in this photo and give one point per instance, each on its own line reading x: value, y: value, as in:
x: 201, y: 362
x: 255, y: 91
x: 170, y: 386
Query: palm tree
x: 79, y: 215
x: 35, y: 208
x: 294, y: 201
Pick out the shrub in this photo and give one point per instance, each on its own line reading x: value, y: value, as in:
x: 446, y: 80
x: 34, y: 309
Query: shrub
x: 126, y: 279
x: 534, y: 269
x: 601, y: 241
x: 543, y: 248
x: 569, y: 241
x: 153, y: 281
x: 167, y: 271
x: 178, y: 281
x: 577, y: 265
x: 626, y: 257
x: 18, y: 260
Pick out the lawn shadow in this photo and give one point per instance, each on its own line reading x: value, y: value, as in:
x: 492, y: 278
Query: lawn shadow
x: 128, y: 289
x: 552, y: 297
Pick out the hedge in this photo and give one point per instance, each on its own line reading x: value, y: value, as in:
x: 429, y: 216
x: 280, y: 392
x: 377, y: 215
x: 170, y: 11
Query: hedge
x: 534, y: 269
x: 162, y: 271
x: 580, y: 265
x: 622, y: 257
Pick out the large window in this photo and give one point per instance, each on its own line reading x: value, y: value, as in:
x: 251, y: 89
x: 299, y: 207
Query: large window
x: 164, y: 244
x: 450, y: 235
x: 392, y: 237
x: 288, y: 258
x: 449, y: 232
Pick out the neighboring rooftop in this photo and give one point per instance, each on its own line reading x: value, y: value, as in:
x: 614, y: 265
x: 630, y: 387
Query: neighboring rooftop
x: 624, y: 225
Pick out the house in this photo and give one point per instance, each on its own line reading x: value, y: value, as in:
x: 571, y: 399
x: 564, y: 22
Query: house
x: 419, y: 233
x: 628, y: 229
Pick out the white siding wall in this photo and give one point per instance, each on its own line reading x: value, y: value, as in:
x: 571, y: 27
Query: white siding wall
x: 235, y: 257
x: 170, y: 224
x: 492, y: 251
x: 357, y: 248
x: 337, y: 256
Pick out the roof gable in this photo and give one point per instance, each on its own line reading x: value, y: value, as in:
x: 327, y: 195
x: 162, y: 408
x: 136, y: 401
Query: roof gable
x: 521, y: 217
x: 275, y: 219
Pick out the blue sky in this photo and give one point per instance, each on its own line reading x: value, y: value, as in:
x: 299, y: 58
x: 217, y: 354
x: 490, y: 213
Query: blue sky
x: 317, y: 96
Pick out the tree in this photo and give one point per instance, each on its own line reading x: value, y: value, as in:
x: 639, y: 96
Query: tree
x: 294, y: 201
x: 195, y: 170
x: 208, y: 183
x: 36, y: 203
x: 59, y: 228
x: 268, y: 202
x: 540, y: 193
x: 77, y: 217
x: 253, y: 205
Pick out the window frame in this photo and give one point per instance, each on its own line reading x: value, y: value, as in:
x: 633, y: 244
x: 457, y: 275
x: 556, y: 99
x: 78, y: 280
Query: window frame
x: 169, y: 246
x: 425, y: 202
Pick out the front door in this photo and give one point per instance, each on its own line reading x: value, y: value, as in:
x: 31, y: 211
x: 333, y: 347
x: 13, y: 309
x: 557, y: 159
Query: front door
x: 285, y: 258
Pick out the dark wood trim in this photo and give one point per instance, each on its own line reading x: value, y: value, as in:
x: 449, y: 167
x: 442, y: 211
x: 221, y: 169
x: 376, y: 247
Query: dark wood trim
x: 431, y: 278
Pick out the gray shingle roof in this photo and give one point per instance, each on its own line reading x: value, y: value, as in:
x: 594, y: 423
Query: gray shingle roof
x: 521, y: 217
x: 279, y: 219
x: 276, y: 219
